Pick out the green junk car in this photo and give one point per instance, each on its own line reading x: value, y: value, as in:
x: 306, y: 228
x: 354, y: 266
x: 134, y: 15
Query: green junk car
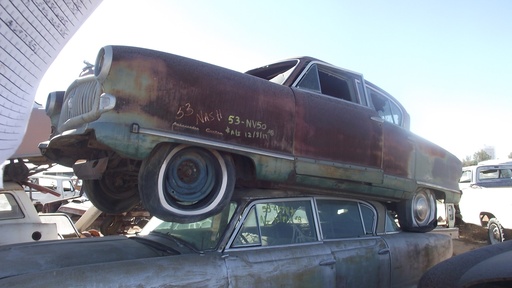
x: 262, y: 238
x: 180, y: 135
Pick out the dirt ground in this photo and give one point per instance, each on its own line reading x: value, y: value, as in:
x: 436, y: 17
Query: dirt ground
x: 472, y: 237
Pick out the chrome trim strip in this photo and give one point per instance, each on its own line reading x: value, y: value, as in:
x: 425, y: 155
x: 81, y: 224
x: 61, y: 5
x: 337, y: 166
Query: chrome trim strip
x: 339, y: 165
x: 433, y: 186
x: 214, y: 144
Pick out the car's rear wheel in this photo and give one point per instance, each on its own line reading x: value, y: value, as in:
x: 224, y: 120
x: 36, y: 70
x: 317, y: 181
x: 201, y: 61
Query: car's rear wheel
x: 185, y: 183
x: 418, y: 214
x: 495, y: 232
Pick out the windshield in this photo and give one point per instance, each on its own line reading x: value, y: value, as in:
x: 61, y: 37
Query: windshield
x: 201, y: 235
x: 276, y: 73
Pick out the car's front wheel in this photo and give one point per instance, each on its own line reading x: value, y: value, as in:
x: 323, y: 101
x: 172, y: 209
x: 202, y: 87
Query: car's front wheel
x: 495, y: 232
x: 186, y: 183
x: 116, y: 191
x: 418, y: 214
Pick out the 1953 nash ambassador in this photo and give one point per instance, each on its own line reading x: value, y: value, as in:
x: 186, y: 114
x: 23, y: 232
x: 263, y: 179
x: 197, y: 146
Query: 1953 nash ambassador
x: 178, y: 134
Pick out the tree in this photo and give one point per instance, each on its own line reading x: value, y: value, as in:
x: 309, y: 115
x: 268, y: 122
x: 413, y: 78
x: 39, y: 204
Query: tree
x: 481, y: 156
x: 468, y: 161
x: 510, y: 155
x: 477, y: 157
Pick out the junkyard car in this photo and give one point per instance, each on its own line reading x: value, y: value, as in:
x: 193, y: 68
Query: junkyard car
x: 61, y: 186
x: 20, y: 222
x: 183, y: 132
x: 488, y: 266
x: 486, y: 201
x: 262, y: 238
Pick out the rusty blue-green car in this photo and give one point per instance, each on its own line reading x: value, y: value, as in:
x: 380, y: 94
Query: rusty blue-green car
x: 179, y: 135
x: 262, y: 238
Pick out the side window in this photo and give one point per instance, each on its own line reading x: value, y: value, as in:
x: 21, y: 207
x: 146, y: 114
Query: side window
x: 466, y: 177
x: 360, y: 93
x: 505, y: 173
x: 310, y: 81
x: 9, y: 208
x: 277, y: 223
x: 345, y: 219
x: 67, y: 186
x: 369, y: 219
x: 488, y: 174
x: 385, y: 107
x: 335, y: 86
x: 391, y: 225
x: 249, y: 235
x: 331, y: 82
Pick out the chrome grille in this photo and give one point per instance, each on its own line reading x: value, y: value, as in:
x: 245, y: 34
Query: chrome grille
x: 80, y: 103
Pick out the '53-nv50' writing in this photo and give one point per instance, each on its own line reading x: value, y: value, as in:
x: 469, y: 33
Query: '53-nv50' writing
x: 179, y: 134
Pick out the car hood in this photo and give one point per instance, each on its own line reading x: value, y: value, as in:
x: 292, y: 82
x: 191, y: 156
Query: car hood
x: 18, y: 259
x: 489, y: 264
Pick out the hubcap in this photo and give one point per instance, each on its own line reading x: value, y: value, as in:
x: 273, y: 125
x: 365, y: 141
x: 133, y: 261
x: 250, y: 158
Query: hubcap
x: 190, y: 176
x: 422, y: 207
x: 495, y: 233
x: 188, y: 172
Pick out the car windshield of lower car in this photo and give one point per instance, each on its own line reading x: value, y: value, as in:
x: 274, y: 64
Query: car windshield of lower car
x: 201, y: 235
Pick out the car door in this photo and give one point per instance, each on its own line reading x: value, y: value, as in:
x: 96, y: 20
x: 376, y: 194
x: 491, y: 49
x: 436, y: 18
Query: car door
x: 334, y: 129
x: 348, y: 229
x: 277, y: 246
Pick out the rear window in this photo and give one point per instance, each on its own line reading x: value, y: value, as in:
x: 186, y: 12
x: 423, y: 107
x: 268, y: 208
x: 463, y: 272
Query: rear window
x: 9, y: 207
x: 494, y: 173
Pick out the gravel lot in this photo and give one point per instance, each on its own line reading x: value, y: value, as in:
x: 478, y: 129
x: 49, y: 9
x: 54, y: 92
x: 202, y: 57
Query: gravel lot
x: 472, y: 237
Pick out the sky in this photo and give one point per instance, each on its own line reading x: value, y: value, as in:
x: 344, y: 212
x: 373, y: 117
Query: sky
x: 447, y: 62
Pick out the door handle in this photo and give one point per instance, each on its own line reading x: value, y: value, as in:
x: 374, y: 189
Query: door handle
x: 327, y: 262
x: 377, y: 119
x: 383, y: 251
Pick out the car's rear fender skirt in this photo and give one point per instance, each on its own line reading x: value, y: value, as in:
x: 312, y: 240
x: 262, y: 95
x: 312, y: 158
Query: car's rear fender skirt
x: 414, y: 253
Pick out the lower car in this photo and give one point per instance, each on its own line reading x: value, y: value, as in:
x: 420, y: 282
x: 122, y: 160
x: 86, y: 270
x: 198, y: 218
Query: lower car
x: 263, y: 238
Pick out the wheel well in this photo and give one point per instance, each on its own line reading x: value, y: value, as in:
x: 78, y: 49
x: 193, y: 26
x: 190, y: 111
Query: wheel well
x: 245, y: 168
x: 439, y: 195
x: 485, y: 217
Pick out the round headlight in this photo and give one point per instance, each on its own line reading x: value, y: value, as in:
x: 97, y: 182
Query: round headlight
x: 103, y: 63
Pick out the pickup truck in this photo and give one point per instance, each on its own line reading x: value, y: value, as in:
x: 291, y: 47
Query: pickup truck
x: 20, y: 222
x: 61, y: 188
x: 486, y: 190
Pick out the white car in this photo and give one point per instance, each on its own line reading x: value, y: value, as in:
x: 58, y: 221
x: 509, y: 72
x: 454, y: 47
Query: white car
x: 485, y: 201
x: 20, y: 222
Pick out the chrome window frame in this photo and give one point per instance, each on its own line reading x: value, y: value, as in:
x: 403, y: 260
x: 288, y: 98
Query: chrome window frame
x: 252, y: 205
x: 336, y: 72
